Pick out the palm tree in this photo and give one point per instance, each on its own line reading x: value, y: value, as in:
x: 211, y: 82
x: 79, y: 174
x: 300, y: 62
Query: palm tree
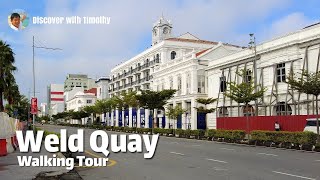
x: 6, y: 69
x: 205, y: 110
x: 11, y: 91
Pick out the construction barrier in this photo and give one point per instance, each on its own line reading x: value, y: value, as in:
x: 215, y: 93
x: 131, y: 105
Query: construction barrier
x: 8, y: 139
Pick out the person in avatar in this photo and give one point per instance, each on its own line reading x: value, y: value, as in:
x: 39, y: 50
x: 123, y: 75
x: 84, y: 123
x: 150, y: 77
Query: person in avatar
x: 16, y: 20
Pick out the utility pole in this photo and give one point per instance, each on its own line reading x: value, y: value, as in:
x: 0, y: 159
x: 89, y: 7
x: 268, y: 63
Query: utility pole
x: 34, y: 76
x: 253, y: 45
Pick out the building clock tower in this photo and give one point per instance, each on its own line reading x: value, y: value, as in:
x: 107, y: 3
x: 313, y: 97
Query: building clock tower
x: 161, y: 30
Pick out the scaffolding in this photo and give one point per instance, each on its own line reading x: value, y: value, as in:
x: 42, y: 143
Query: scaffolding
x: 293, y: 101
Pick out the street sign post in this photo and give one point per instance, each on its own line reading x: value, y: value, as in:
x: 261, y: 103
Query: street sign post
x: 34, y: 105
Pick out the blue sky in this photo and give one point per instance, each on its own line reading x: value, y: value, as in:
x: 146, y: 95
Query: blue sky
x: 95, y: 49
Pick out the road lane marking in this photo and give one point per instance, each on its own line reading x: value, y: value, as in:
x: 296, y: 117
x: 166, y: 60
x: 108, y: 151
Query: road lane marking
x: 302, y: 177
x: 318, y: 160
x: 177, y: 153
x: 267, y: 154
x: 227, y: 149
x: 196, y: 145
x: 219, y: 169
x: 215, y: 160
x: 112, y: 162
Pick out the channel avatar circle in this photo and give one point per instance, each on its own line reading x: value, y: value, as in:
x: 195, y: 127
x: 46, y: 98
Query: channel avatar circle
x: 18, y: 19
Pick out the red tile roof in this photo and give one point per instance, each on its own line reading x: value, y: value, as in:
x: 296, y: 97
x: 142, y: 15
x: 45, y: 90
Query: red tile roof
x: 201, y: 52
x: 191, y: 40
x: 200, y: 41
x: 92, y: 90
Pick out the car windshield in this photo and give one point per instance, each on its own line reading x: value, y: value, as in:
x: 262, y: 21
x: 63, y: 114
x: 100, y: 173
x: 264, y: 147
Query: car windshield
x: 312, y: 123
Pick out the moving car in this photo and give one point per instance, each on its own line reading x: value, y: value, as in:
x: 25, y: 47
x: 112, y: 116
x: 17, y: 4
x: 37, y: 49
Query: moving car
x: 311, y: 125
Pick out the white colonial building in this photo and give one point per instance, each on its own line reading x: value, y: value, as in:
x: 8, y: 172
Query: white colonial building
x: 80, y: 100
x: 171, y: 62
x: 268, y: 65
x: 187, y: 75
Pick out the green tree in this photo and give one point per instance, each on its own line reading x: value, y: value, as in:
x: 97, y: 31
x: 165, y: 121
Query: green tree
x: 130, y: 100
x: 92, y: 110
x: 307, y: 83
x: 244, y: 92
x: 6, y: 69
x: 21, y: 105
x: 154, y: 100
x: 174, y: 112
x: 204, y: 109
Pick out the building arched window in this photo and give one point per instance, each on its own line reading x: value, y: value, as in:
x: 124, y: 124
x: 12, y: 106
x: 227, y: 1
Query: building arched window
x: 173, y: 55
x: 157, y: 58
x: 282, y: 109
x: 171, y: 82
x: 179, y: 85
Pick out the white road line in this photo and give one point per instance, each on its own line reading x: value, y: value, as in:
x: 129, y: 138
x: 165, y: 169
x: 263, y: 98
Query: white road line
x: 219, y: 169
x: 302, y: 177
x: 267, y: 154
x: 196, y: 145
x: 227, y: 149
x: 216, y: 160
x: 317, y: 160
x: 177, y: 153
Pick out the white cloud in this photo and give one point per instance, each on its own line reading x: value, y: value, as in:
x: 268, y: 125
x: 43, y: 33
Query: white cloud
x: 287, y: 24
x: 95, y: 49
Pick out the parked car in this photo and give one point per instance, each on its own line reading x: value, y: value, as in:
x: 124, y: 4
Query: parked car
x: 311, y: 125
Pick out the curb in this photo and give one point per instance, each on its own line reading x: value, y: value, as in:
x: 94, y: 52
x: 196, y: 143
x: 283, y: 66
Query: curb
x: 247, y: 145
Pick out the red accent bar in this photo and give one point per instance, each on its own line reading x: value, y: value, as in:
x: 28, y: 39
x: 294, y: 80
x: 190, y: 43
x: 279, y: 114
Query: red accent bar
x: 57, y: 99
x: 60, y: 93
x: 287, y: 123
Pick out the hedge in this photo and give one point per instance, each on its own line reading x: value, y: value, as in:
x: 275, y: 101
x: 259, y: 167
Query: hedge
x: 298, y: 140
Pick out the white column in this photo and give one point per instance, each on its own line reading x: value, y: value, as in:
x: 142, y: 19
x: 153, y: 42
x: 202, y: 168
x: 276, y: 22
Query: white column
x: 193, y: 119
x: 138, y: 118
x: 194, y: 82
x: 117, y: 118
x: 111, y: 119
x: 183, y: 83
x: 130, y: 117
x: 183, y: 117
x: 167, y: 120
x: 146, y: 118
x: 123, y: 119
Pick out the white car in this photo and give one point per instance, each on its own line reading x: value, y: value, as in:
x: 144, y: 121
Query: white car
x: 311, y: 125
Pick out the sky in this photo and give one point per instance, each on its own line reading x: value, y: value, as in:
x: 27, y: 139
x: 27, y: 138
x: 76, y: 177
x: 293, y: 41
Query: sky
x: 96, y: 49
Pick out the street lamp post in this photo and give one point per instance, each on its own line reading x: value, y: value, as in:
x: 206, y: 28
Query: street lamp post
x: 33, y: 74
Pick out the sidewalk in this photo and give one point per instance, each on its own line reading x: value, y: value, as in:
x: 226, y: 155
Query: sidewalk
x: 10, y: 169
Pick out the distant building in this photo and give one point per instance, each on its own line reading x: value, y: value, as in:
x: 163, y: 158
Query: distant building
x: 103, y: 88
x: 43, y: 111
x: 80, y: 100
x: 78, y: 80
x: 55, y: 99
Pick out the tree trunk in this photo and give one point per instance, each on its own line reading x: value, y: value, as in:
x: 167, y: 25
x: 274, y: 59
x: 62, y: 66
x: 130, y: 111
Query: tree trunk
x: 1, y: 100
x: 1, y: 89
x: 155, y: 113
x: 247, y: 117
x: 317, y: 120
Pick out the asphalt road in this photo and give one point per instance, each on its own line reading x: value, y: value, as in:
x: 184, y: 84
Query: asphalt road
x: 184, y: 159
